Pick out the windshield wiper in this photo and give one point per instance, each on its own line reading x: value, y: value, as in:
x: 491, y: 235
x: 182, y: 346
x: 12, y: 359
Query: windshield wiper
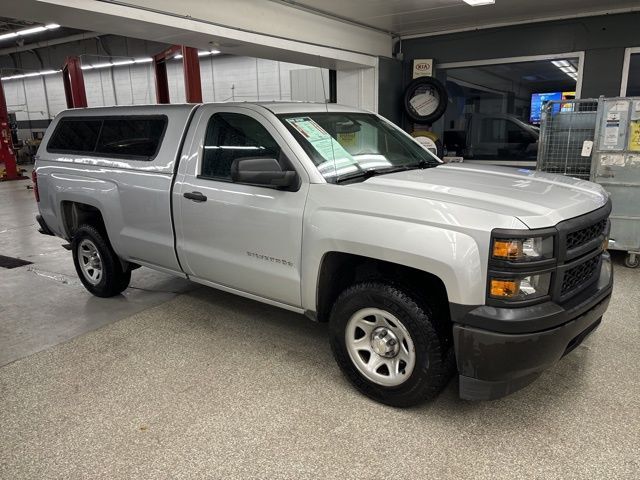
x: 421, y: 164
x: 372, y: 172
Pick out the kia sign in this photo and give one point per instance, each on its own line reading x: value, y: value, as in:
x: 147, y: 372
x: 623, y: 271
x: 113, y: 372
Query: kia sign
x: 423, y: 68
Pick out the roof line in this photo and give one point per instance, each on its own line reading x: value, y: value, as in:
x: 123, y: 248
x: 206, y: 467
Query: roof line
x: 522, y: 22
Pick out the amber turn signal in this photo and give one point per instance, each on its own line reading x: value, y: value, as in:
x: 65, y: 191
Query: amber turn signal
x: 507, y: 249
x: 504, y: 288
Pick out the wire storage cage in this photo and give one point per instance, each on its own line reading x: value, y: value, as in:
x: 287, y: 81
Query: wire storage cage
x: 599, y: 140
x: 565, y: 127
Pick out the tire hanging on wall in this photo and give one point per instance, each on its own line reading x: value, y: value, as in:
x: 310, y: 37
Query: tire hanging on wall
x: 425, y: 100
x: 429, y: 141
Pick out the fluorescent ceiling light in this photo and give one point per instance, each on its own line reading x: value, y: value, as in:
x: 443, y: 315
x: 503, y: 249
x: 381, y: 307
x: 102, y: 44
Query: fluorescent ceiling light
x: 29, y: 31
x: 131, y: 61
x: 561, y: 63
x: 30, y: 74
x: 116, y: 63
x: 123, y: 62
x: 478, y: 3
x: 97, y: 65
x: 201, y: 53
x: 568, y: 69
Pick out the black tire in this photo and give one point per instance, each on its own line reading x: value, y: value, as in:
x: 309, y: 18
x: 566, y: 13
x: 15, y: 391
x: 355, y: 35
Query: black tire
x: 424, y: 83
x: 431, y: 371
x: 113, y: 278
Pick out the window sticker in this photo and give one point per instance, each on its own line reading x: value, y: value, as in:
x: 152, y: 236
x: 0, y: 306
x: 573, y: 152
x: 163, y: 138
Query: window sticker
x: 320, y: 140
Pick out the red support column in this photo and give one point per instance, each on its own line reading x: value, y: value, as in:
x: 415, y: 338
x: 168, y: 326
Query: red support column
x: 73, y: 80
x: 7, y: 156
x: 160, y: 68
x: 191, y: 66
x: 192, y: 83
x: 162, y: 82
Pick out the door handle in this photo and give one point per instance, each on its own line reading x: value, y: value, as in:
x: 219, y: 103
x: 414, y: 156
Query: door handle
x: 195, y: 196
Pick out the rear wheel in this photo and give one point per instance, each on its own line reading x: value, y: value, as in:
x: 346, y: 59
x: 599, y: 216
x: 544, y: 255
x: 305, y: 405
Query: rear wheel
x: 97, y: 265
x: 387, y: 345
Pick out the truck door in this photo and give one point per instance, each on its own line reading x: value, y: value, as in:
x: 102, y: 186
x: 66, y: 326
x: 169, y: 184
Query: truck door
x: 239, y: 236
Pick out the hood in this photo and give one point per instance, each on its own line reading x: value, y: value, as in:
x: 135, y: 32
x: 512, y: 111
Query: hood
x: 537, y: 199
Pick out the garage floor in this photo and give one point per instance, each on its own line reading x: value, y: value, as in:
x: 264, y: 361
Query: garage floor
x: 204, y: 384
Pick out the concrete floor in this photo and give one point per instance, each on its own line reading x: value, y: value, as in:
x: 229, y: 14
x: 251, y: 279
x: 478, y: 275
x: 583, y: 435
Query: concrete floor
x: 205, y: 384
x: 44, y: 304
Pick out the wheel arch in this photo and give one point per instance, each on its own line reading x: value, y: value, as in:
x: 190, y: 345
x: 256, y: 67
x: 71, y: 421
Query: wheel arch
x: 338, y: 270
x: 74, y: 214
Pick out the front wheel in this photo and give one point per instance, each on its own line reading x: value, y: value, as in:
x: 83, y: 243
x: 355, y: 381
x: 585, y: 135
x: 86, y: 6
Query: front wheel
x: 97, y: 265
x: 387, y: 345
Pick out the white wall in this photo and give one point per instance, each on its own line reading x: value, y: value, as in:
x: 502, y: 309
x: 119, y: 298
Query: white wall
x: 224, y: 78
x: 358, y: 88
x: 310, y: 84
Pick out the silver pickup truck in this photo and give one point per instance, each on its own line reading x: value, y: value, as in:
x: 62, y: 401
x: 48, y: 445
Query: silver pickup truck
x: 335, y: 213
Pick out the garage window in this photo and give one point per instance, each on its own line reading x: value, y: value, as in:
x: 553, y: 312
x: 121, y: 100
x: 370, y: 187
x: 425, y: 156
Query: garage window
x: 136, y: 138
x: 230, y: 136
x: 495, y: 107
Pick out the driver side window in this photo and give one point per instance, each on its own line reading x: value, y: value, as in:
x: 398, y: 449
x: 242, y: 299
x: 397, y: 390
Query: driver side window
x: 230, y: 136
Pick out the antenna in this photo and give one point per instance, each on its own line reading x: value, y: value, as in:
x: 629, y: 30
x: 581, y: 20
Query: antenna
x: 326, y: 106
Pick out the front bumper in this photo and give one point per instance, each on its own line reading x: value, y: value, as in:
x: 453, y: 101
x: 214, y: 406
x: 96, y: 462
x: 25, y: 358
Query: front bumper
x: 494, y: 361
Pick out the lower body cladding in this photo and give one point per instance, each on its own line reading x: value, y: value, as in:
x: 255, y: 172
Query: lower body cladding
x: 496, y: 362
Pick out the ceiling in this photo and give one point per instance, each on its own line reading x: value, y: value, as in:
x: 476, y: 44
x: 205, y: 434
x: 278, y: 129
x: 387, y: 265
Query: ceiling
x: 10, y: 25
x: 409, y: 17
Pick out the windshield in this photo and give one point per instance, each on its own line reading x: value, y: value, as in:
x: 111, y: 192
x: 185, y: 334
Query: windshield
x: 355, y: 145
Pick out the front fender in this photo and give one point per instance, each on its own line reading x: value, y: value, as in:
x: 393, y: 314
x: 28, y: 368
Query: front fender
x: 445, y: 239
x: 452, y: 256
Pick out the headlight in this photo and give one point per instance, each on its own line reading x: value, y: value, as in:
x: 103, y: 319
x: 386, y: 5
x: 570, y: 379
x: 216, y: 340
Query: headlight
x: 523, y: 249
x: 521, y: 288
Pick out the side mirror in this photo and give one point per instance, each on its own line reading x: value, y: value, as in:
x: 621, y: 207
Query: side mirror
x: 262, y: 171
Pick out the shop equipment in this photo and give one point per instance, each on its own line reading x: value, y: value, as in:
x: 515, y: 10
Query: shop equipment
x: 599, y: 140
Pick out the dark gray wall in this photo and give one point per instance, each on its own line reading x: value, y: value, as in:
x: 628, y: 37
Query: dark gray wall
x: 602, y: 38
x: 390, y: 89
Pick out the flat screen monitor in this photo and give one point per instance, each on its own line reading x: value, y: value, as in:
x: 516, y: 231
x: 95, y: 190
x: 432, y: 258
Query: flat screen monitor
x: 539, y: 99
x: 537, y: 102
